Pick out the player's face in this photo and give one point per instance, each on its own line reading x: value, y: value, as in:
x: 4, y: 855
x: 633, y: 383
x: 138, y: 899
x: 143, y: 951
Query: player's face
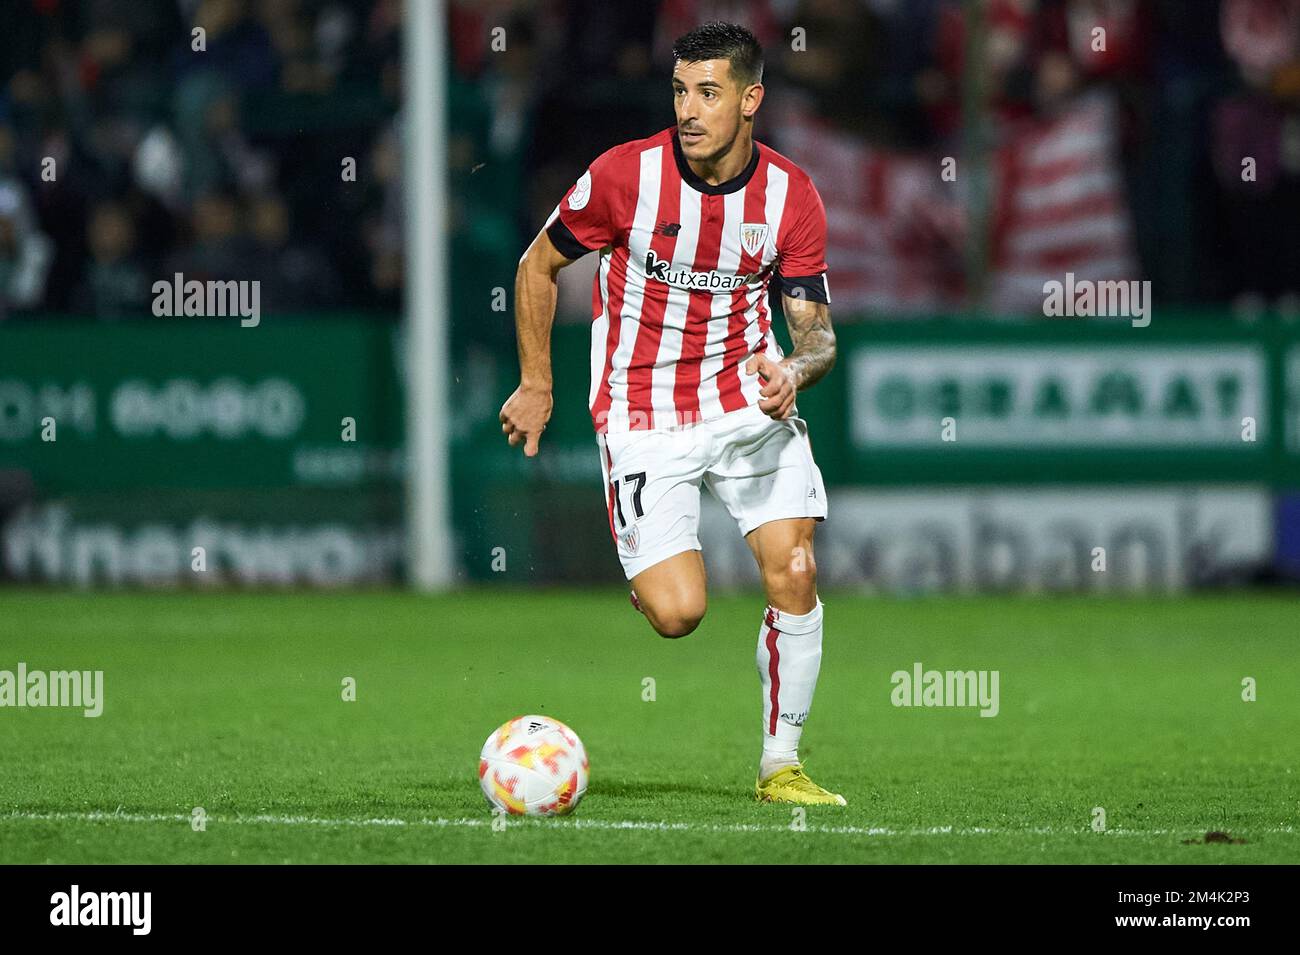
x: 710, y: 107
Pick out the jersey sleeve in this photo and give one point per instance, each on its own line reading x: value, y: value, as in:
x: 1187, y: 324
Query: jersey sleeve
x: 801, y: 268
x: 587, y: 218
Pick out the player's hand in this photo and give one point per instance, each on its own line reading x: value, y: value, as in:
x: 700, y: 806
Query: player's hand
x: 524, y: 416
x: 776, y: 397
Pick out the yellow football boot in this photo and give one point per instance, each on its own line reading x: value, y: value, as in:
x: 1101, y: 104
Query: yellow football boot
x: 791, y: 785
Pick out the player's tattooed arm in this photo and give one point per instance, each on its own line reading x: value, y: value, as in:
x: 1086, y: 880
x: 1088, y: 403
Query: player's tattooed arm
x: 814, y: 353
x: 814, y: 340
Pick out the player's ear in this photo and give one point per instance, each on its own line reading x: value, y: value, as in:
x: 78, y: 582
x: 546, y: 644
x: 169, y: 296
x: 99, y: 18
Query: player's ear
x: 751, y: 99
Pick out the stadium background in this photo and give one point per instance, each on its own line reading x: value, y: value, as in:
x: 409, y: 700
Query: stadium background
x: 1122, y: 163
x: 344, y: 726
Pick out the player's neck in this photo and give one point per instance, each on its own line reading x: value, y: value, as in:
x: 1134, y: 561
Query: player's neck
x: 727, y: 166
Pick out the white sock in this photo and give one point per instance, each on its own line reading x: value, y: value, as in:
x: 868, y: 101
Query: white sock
x: 789, y: 657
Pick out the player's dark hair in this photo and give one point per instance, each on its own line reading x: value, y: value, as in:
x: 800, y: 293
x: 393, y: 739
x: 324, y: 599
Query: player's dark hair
x: 723, y: 41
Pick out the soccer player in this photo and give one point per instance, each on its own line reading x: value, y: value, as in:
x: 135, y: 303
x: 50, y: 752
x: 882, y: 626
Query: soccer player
x: 688, y: 384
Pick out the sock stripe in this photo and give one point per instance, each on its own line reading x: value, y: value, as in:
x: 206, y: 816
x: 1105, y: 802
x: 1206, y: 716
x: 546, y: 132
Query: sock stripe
x: 773, y: 672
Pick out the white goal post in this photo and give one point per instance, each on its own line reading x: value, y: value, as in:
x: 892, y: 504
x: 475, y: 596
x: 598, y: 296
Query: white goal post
x: 430, y: 560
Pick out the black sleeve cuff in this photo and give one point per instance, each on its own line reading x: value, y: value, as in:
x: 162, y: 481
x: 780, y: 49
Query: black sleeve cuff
x: 810, y: 288
x: 564, y: 240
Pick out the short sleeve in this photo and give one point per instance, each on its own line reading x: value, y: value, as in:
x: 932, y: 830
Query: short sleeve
x: 802, y: 264
x: 587, y: 217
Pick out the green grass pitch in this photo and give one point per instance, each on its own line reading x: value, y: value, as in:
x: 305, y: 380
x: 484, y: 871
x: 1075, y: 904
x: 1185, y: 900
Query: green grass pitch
x: 233, y: 703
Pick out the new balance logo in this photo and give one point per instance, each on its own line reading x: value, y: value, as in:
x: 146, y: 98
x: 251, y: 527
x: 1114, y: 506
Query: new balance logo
x: 669, y: 229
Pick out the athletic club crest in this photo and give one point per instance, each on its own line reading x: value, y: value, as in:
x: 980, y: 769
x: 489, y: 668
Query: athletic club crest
x: 753, y: 236
x: 631, y: 538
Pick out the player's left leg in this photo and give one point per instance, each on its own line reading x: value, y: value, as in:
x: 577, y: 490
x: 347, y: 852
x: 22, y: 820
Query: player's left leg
x: 765, y: 475
x: 784, y: 552
x: 790, y: 639
x: 789, y: 656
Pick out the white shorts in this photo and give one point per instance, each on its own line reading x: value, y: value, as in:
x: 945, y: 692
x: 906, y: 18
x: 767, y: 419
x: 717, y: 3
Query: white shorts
x: 760, y: 469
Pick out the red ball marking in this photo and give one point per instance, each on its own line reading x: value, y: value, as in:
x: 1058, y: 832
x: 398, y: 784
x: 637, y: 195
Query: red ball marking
x: 571, y: 787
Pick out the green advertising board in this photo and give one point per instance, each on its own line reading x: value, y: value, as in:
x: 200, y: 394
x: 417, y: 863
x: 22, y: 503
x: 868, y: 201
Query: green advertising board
x: 203, y: 404
x: 296, y: 425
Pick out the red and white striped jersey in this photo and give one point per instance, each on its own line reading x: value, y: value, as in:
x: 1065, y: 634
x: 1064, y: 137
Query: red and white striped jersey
x: 680, y: 299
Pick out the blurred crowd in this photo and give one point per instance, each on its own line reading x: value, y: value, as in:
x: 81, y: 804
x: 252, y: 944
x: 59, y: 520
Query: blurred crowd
x: 132, y: 147
x: 1108, y: 138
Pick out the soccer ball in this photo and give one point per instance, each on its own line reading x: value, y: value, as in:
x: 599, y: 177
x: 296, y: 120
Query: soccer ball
x: 533, y: 766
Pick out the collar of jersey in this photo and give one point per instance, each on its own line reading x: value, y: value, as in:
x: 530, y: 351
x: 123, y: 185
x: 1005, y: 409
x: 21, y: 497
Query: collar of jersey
x: 734, y: 184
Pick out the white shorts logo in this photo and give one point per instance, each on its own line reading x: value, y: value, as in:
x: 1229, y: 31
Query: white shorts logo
x: 630, y: 539
x: 753, y: 235
x: 581, y: 192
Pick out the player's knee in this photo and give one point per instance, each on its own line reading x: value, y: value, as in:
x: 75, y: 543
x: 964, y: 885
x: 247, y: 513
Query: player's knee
x: 678, y: 620
x: 795, y: 582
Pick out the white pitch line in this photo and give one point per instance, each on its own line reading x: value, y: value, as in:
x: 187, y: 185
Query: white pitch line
x: 595, y: 824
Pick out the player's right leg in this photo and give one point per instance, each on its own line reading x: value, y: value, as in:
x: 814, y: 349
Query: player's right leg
x: 652, y: 488
x: 672, y: 594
